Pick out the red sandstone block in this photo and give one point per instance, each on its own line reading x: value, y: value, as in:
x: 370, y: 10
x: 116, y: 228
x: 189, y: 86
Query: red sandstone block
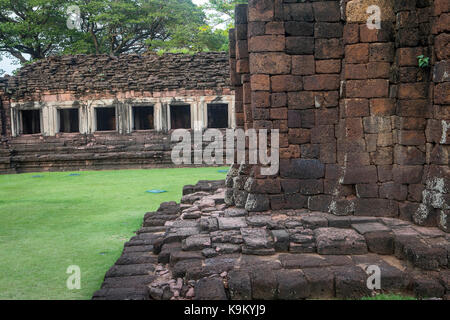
x: 367, y: 190
x: 407, y: 174
x: 278, y: 113
x: 376, y: 35
x: 441, y: 24
x: 415, y: 192
x: 277, y: 202
x: 300, y: 100
x: 270, y: 63
x: 407, y: 155
x: 326, y: 99
x: 292, y: 152
x: 441, y: 46
x: 298, y: 12
x: 328, y: 30
x: 301, y: 118
x: 355, y: 71
x: 328, y: 66
x: 378, y: 70
x: 351, y: 33
x: 327, y: 11
x: 303, y: 65
x: 261, y: 114
x: 440, y: 6
x: 376, y: 207
x: 327, y: 116
x: 260, y: 82
x: 442, y: 94
x: 297, y: 28
x: 262, y: 124
x: 412, y: 123
x: 356, y: 108
x: 373, y: 88
x: 275, y: 27
x: 413, y: 108
x: 260, y: 10
x: 284, y: 143
x: 300, y: 45
x: 290, y: 185
x: 266, y: 43
x: 268, y: 186
x: 261, y: 99
x: 357, y: 53
x: 353, y: 128
x: 381, y: 52
x: 328, y: 152
x: 408, y: 56
x: 321, y: 82
x: 242, y: 66
x: 281, y: 125
x: 382, y: 156
x: 323, y: 134
x: 411, y: 137
x: 286, y: 83
x: 382, y: 107
x: 417, y: 90
x: 361, y: 174
x: 299, y: 136
x: 278, y: 99
x: 256, y: 29
x: 384, y: 173
x: 328, y: 49
x: 241, y: 49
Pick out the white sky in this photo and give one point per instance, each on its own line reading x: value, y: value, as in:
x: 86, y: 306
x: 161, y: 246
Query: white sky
x: 7, y: 64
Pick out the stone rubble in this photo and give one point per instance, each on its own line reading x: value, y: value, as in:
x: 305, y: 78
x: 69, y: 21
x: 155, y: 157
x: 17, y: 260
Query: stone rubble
x: 290, y: 254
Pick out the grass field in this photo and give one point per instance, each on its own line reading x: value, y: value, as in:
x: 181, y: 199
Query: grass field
x: 50, y: 222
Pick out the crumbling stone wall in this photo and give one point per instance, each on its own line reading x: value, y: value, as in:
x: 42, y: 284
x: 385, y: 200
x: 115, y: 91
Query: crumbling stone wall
x: 85, y: 82
x: 363, y: 128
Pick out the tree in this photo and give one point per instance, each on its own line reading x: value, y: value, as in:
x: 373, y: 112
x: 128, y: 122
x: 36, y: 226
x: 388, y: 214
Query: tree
x: 32, y: 27
x: 35, y: 29
x: 123, y: 26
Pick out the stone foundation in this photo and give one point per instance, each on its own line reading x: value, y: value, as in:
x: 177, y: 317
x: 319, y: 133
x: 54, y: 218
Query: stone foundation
x: 204, y: 249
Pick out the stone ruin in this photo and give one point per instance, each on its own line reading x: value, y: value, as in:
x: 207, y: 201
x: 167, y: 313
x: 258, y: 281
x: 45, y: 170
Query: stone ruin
x: 103, y: 112
x: 364, y: 174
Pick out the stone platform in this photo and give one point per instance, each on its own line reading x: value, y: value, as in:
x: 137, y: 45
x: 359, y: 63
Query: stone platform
x: 202, y: 249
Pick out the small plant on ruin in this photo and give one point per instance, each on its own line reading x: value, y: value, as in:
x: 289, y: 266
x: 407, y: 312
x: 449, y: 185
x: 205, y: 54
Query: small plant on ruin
x: 423, y: 61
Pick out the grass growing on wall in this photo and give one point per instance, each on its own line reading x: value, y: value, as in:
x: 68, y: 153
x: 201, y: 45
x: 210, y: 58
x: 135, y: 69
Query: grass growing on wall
x: 49, y: 221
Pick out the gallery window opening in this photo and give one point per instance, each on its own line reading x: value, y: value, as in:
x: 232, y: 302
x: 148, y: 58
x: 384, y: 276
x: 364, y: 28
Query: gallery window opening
x: 106, y: 119
x: 180, y: 116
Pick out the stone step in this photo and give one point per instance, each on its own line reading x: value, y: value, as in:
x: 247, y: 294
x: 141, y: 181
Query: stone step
x: 130, y: 270
x: 128, y: 282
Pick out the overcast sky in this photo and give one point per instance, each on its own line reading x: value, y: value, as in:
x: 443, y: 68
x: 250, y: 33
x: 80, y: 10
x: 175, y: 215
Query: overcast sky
x: 9, y: 65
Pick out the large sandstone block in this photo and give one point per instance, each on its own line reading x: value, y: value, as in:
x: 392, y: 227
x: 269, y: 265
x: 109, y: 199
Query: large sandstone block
x: 339, y: 241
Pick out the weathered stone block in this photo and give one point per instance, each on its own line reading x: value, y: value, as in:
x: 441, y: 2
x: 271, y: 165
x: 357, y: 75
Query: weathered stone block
x: 339, y: 241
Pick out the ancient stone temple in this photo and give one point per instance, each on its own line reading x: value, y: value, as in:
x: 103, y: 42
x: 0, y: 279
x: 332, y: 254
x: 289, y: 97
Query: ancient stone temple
x: 364, y: 176
x: 97, y: 112
x: 364, y: 128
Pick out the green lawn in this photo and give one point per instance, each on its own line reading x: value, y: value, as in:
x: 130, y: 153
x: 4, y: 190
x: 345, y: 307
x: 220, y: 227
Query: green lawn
x: 51, y: 222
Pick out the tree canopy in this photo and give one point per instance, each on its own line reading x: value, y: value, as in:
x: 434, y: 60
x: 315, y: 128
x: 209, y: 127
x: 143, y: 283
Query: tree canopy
x: 35, y: 29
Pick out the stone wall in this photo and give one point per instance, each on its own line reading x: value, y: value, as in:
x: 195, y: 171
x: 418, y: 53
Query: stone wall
x: 363, y: 128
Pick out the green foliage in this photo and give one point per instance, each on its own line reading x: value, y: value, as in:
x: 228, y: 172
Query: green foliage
x: 423, y: 61
x: 35, y: 29
x: 50, y: 223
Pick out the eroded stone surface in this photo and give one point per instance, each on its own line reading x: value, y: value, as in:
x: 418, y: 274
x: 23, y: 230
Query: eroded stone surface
x: 282, y: 255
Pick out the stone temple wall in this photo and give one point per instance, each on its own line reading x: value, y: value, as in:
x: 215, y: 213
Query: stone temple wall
x: 363, y: 128
x: 85, y: 84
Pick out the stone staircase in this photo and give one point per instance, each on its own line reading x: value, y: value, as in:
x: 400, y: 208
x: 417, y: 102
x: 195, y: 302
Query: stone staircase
x: 80, y: 152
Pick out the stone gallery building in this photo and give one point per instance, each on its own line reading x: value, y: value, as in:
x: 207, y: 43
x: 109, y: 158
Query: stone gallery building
x: 97, y: 112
